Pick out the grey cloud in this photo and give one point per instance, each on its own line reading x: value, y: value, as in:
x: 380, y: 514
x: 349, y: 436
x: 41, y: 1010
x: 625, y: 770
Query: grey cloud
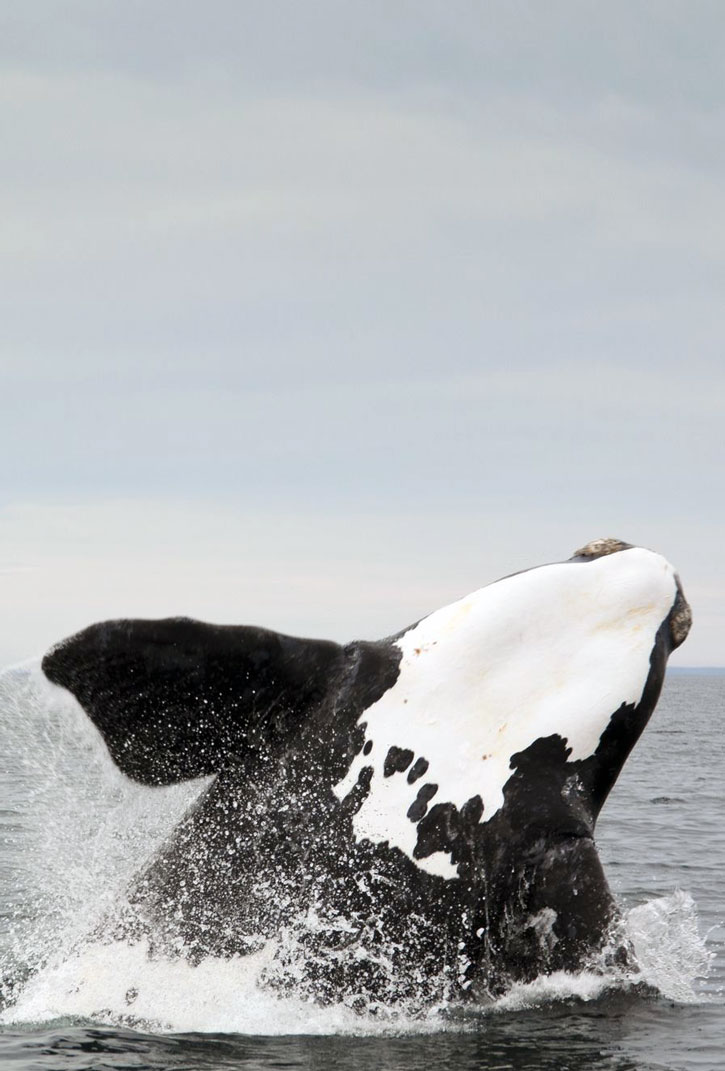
x: 667, y: 52
x: 337, y: 232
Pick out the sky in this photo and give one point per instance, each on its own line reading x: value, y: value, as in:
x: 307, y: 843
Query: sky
x: 318, y: 316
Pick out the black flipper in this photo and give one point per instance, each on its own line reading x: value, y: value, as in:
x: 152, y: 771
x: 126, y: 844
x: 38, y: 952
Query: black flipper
x: 177, y: 699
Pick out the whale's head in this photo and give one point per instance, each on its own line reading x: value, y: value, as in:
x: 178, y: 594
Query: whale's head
x: 679, y: 619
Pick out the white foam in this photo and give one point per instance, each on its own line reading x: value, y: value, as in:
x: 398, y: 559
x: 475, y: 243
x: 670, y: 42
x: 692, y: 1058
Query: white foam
x: 125, y: 984
x: 119, y: 983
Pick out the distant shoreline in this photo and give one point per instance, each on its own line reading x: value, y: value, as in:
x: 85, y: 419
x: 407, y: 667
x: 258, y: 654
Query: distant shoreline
x: 703, y: 670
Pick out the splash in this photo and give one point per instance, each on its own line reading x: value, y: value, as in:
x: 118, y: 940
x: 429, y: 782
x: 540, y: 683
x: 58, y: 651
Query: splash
x: 128, y: 985
x: 670, y: 951
x: 670, y: 955
x: 75, y: 831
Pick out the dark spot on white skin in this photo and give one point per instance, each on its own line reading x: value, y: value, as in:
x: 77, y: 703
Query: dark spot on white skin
x: 418, y: 808
x: 419, y: 767
x: 397, y: 760
x: 359, y: 792
x: 437, y: 830
x: 472, y: 810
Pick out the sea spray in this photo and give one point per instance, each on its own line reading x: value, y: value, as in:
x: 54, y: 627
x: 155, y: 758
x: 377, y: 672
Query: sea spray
x: 124, y: 984
x: 670, y: 951
x: 74, y: 829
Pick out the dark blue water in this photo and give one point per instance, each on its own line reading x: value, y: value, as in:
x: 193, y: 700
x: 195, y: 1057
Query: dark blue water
x: 72, y: 831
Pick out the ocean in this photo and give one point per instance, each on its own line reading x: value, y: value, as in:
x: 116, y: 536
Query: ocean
x: 73, y: 831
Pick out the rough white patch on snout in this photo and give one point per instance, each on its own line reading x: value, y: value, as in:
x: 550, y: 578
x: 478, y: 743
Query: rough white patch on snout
x: 555, y: 650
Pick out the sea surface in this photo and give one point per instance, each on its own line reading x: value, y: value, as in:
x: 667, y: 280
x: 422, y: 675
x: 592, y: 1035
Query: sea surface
x: 73, y: 831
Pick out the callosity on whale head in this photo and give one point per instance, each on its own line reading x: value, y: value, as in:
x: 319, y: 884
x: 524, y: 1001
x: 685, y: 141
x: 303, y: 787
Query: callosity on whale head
x: 418, y: 811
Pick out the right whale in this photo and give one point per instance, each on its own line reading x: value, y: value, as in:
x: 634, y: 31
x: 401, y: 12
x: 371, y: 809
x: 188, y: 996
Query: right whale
x: 407, y: 818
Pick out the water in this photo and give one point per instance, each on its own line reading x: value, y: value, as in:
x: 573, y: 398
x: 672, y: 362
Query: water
x: 73, y: 831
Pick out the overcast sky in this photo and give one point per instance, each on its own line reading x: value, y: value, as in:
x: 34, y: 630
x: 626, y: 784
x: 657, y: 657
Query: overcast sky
x: 319, y: 315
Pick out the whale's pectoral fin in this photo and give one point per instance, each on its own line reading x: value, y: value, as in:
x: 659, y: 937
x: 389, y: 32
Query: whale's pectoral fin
x: 177, y: 699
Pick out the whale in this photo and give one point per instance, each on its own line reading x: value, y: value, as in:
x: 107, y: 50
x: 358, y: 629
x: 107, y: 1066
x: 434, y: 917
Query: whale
x: 407, y: 818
